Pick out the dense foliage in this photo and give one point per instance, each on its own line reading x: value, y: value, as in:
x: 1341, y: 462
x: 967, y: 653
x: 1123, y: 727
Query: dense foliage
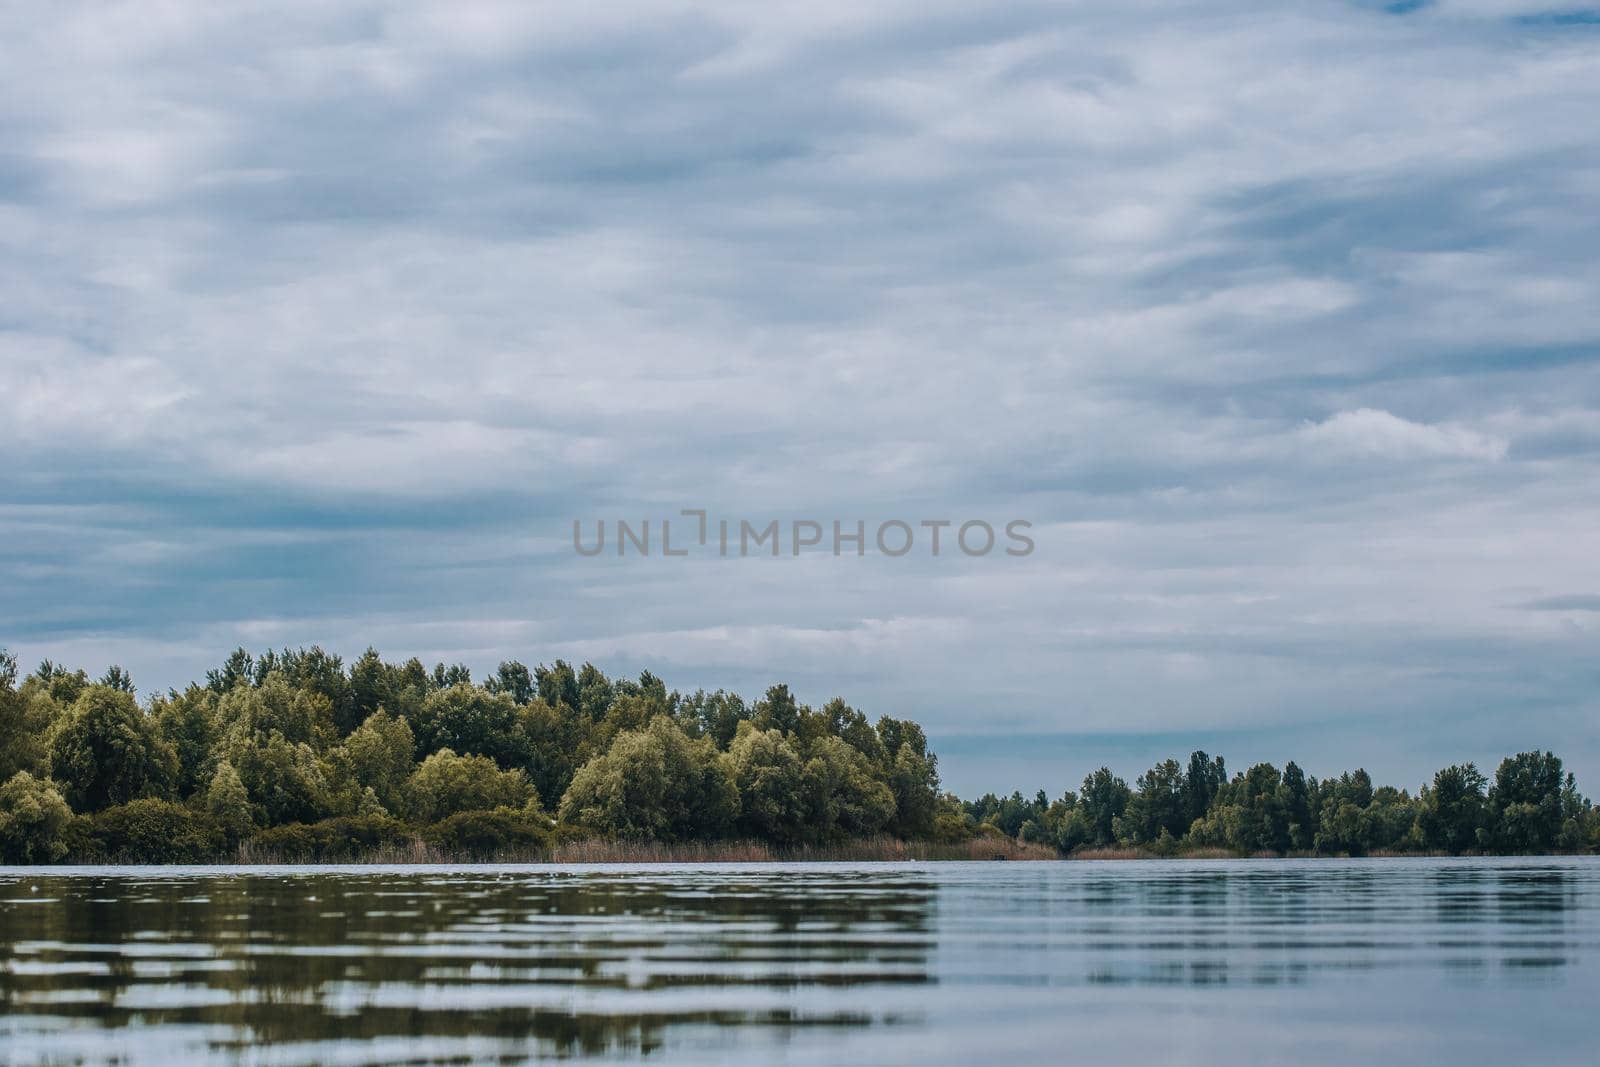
x: 291, y: 754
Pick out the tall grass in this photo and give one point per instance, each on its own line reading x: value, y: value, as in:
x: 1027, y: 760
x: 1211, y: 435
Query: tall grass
x: 602, y: 850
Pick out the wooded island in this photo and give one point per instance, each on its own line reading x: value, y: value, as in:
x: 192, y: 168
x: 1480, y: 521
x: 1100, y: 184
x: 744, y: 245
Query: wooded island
x: 289, y: 756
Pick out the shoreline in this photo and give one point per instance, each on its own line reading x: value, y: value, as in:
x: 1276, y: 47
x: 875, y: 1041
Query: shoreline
x: 623, y: 853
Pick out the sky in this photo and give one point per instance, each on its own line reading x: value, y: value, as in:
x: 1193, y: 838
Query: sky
x: 321, y: 324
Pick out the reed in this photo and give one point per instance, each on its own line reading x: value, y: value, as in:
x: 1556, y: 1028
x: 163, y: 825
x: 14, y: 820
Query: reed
x: 881, y: 849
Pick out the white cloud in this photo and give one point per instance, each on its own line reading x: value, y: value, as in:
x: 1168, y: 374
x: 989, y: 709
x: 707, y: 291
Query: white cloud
x: 1372, y: 432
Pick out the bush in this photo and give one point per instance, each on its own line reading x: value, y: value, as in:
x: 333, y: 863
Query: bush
x: 34, y: 821
x: 332, y: 840
x: 487, y: 834
x: 155, y: 831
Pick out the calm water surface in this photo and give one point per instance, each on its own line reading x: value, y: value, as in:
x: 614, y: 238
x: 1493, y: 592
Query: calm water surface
x: 1416, y: 961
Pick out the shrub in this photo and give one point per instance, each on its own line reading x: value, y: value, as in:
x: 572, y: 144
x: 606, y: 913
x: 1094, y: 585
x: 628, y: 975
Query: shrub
x: 487, y: 834
x: 332, y: 840
x: 155, y: 831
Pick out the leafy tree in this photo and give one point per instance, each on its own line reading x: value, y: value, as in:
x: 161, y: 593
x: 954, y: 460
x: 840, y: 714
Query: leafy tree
x: 25, y: 715
x: 716, y: 715
x: 558, y: 742
x: 117, y: 678
x: 106, y: 751
x: 1526, y: 804
x: 284, y: 779
x: 34, y: 821
x: 1263, y: 814
x: 514, y: 680
x: 1006, y: 814
x: 654, y: 783
x: 1101, y: 803
x: 228, y: 803
x: 1453, y: 811
x: 453, y: 675
x: 1159, y: 805
x: 318, y: 674
x: 63, y: 686
x: 302, y: 716
x: 186, y: 721
x: 486, y: 835
x: 853, y: 728
x: 1202, y: 782
x: 371, y: 688
x: 912, y: 776
x: 778, y: 710
x: 239, y: 669
x: 377, y: 757
x: 594, y: 691
x: 472, y: 721
x: 1296, y: 801
x: 767, y: 772
x: 629, y: 710
x: 446, y: 783
x: 842, y: 794
x: 559, y: 685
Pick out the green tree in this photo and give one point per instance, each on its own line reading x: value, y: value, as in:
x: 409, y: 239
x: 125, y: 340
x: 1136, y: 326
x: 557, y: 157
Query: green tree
x: 1525, y: 803
x: 843, y: 795
x: 63, y: 686
x: 1158, y: 806
x: 1101, y: 803
x: 1296, y: 802
x: 186, y: 721
x: 655, y: 783
x: 514, y: 680
x: 34, y: 821
x: 301, y: 716
x: 378, y: 756
x: 239, y: 669
x: 559, y: 685
x: 371, y: 687
x: 472, y: 721
x: 1453, y: 810
x: 285, y: 780
x: 778, y: 710
x: 25, y: 715
x: 228, y: 804
x: 117, y: 678
x: 106, y: 751
x: 1202, y: 782
x: 768, y: 774
x: 912, y: 773
x: 446, y: 783
x: 558, y: 743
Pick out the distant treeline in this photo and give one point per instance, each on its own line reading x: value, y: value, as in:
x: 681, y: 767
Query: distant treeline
x: 291, y: 755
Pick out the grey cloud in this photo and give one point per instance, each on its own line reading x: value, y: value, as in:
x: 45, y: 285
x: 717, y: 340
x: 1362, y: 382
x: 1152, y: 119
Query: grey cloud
x: 1570, y: 602
x: 322, y: 324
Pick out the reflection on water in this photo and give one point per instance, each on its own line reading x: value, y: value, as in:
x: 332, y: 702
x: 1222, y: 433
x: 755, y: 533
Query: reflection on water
x: 1462, y: 960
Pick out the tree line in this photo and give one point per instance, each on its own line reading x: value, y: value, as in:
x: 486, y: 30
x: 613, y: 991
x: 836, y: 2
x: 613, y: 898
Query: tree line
x: 290, y: 753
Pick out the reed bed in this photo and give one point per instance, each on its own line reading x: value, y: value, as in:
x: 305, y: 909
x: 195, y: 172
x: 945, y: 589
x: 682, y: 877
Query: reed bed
x: 603, y: 850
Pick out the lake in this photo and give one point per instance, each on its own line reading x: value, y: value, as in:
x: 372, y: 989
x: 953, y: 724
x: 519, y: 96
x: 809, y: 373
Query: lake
x: 1320, y: 961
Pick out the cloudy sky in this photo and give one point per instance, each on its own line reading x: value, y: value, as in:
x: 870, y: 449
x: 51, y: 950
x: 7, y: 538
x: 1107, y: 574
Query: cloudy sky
x: 322, y: 323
